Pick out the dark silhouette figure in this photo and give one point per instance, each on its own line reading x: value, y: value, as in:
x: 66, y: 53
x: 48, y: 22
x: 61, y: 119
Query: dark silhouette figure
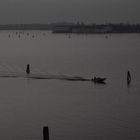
x: 128, y: 78
x: 28, y: 69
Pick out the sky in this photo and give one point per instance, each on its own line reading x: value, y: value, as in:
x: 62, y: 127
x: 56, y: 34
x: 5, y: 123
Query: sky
x: 88, y: 11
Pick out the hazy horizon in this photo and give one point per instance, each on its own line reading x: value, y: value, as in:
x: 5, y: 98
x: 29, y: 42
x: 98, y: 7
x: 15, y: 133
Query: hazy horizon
x: 88, y: 11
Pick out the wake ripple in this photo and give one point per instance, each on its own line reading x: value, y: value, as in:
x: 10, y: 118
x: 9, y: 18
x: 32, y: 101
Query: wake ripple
x: 41, y: 76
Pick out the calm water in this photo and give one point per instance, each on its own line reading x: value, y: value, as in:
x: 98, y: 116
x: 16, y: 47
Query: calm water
x: 73, y: 110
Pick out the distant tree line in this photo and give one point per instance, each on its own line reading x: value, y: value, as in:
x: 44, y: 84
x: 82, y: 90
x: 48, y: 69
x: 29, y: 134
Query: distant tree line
x: 97, y: 28
x: 77, y: 27
x: 25, y: 27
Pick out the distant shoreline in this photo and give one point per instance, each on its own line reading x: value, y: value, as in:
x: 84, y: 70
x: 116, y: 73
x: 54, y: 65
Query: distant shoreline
x: 79, y: 28
x: 25, y: 27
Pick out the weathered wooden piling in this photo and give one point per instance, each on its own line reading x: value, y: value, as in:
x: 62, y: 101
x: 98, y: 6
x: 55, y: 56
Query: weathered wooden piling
x: 45, y: 133
x: 28, y: 69
x: 128, y: 78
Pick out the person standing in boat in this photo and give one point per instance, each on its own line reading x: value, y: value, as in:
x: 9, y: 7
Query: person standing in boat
x: 28, y: 69
x: 128, y: 78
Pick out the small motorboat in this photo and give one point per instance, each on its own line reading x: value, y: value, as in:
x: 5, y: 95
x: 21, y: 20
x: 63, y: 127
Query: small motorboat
x: 98, y: 80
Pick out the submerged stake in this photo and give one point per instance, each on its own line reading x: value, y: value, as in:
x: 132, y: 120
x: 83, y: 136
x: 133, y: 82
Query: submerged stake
x: 128, y: 78
x: 45, y: 133
x: 28, y: 69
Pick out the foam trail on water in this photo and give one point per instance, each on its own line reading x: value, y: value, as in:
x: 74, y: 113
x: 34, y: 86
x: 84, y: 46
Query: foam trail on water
x: 41, y: 76
x: 18, y: 72
x: 37, y: 71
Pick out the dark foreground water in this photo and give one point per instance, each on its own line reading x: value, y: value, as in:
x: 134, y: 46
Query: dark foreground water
x: 73, y: 110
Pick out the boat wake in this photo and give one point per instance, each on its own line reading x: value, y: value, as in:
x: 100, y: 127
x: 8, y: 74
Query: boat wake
x: 7, y: 71
x: 43, y: 76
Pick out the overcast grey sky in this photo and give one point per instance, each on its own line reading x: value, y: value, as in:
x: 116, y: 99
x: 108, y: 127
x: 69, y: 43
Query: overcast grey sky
x: 46, y: 11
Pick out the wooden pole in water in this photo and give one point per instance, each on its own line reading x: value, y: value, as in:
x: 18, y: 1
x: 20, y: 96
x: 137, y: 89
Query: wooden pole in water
x: 128, y: 78
x: 28, y: 69
x: 45, y: 133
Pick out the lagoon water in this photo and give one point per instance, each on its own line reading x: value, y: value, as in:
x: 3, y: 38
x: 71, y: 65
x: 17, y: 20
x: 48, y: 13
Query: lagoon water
x: 73, y: 110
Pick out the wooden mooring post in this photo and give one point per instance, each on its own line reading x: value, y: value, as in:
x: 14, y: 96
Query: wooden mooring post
x: 45, y: 133
x: 128, y: 78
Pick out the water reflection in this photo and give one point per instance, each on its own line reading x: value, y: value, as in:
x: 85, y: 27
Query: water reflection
x: 77, y: 109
